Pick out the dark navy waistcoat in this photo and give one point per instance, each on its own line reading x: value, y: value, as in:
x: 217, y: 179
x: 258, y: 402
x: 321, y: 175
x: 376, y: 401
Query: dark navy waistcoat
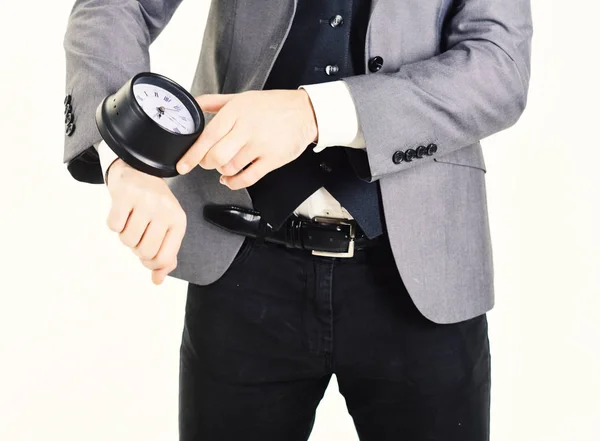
x: 325, y: 43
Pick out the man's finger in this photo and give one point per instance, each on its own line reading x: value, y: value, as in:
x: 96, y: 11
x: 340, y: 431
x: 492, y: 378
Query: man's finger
x: 153, y: 237
x: 170, y: 246
x: 136, y: 226
x: 159, y: 275
x: 168, y: 250
x: 249, y: 176
x: 216, y: 129
x: 212, y: 103
x: 118, y: 215
x: 224, y: 150
x: 244, y: 157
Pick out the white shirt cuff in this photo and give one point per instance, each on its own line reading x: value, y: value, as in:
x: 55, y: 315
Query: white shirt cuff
x: 106, y: 156
x: 336, y: 116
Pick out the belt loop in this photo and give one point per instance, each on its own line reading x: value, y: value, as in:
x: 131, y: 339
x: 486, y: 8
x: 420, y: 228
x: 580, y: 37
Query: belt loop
x: 293, y: 232
x: 262, y: 231
x: 298, y: 242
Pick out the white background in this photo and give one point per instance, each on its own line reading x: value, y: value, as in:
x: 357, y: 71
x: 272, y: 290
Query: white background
x: 89, y: 346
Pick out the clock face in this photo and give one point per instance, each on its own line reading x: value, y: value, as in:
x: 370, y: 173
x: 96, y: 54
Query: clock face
x: 164, y: 107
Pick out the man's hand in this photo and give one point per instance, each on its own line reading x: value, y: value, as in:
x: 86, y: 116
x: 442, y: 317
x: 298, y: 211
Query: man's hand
x: 147, y: 217
x: 266, y: 129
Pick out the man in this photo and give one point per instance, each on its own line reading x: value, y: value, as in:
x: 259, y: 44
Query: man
x: 332, y: 216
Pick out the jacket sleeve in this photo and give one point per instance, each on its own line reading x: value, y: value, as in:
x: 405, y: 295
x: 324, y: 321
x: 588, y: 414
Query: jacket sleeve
x: 106, y: 43
x: 475, y: 87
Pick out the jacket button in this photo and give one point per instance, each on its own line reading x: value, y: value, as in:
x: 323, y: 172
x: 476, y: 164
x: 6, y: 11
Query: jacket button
x: 336, y: 20
x: 332, y: 69
x: 375, y: 63
x: 68, y: 118
x: 409, y: 155
x: 70, y: 129
x: 325, y: 167
x: 398, y: 157
x: 421, y: 151
x: 68, y: 108
x: 67, y: 99
x: 431, y: 149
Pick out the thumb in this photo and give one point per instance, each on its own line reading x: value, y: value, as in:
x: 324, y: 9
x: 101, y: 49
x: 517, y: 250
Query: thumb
x: 212, y: 103
x: 159, y: 275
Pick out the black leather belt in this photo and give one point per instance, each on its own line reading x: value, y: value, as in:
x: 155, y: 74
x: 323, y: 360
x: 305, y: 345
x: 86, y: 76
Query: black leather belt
x: 323, y: 236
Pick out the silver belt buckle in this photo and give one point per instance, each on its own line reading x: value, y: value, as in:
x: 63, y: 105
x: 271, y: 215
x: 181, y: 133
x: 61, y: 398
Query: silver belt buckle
x: 337, y: 221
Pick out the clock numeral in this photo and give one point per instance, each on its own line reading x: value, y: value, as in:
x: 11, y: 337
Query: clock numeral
x: 167, y: 99
x: 139, y: 98
x: 183, y: 118
x: 146, y: 93
x: 176, y: 130
x: 177, y: 108
x: 156, y: 94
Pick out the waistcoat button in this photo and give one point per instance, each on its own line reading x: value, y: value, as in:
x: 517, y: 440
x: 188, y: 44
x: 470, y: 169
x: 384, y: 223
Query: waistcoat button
x: 331, y: 69
x: 336, y: 20
x: 375, y: 63
x: 325, y: 167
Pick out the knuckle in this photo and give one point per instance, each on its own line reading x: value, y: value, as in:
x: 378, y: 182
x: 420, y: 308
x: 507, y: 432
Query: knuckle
x: 181, y: 219
x: 147, y: 264
x: 144, y: 253
x: 161, y: 261
x: 128, y: 243
x: 248, y: 178
x: 167, y: 201
x: 219, y: 158
x: 126, y: 240
x: 128, y: 237
x: 148, y: 199
x: 235, y: 165
x: 112, y: 225
x: 226, y: 170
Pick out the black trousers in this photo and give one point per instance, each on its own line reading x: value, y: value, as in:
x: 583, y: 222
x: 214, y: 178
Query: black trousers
x: 259, y: 346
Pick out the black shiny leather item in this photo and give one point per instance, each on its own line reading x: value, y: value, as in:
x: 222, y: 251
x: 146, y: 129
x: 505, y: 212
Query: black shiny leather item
x: 296, y: 232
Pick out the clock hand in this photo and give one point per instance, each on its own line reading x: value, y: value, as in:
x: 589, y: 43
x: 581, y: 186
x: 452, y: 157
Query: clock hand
x: 175, y: 120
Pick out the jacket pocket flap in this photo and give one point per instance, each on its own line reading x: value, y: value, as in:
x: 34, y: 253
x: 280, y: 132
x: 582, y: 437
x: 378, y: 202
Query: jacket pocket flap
x: 470, y: 156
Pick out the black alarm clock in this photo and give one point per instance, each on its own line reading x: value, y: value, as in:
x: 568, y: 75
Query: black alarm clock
x: 150, y: 123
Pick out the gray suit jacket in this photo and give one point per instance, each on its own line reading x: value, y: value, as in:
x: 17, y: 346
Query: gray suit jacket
x: 454, y: 72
